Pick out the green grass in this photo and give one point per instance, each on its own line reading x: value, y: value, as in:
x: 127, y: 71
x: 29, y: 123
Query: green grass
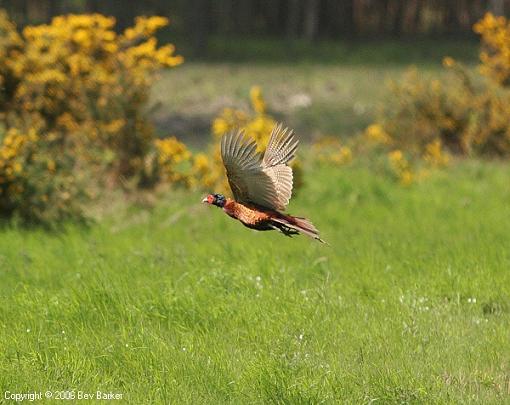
x: 181, y: 304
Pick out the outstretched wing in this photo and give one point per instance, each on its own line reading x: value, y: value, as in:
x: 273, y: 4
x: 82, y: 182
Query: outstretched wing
x: 266, y: 182
x: 280, y: 150
x: 246, y: 177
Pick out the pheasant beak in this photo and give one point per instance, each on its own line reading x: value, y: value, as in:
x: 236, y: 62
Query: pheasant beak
x: 205, y: 200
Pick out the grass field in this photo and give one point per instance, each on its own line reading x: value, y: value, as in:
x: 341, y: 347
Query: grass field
x: 180, y: 304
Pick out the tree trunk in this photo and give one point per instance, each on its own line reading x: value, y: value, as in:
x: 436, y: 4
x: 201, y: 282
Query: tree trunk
x: 311, y: 19
x: 347, y: 18
x: 411, y: 22
x: 199, y: 27
x: 497, y: 7
x: 245, y: 16
x: 398, y: 18
x: 92, y: 6
x: 292, y: 23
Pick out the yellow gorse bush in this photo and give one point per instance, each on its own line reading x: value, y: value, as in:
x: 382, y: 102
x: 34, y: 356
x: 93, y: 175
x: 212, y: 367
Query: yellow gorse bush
x: 435, y: 154
x: 376, y: 134
x: 495, y: 56
x: 172, y: 156
x: 79, y: 73
x: 401, y: 167
x: 11, y: 165
x: 256, y: 123
x: 431, y: 118
x: 82, y: 90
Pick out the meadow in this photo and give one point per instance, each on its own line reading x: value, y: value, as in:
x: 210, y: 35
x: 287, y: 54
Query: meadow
x: 327, y: 88
x: 177, y: 303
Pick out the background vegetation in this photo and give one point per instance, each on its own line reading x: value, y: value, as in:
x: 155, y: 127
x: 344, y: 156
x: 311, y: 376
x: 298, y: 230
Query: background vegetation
x: 200, y: 23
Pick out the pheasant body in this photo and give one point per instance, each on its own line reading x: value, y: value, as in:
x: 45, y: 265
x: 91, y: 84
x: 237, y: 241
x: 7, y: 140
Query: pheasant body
x: 250, y: 217
x: 262, y: 186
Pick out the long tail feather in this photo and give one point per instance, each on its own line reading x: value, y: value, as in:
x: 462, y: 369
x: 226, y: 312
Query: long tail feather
x: 302, y: 225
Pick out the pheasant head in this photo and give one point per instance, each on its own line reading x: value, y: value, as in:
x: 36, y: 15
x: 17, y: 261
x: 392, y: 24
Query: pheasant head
x: 215, y: 199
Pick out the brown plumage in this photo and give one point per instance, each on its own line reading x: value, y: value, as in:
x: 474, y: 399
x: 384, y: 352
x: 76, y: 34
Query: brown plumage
x: 262, y: 186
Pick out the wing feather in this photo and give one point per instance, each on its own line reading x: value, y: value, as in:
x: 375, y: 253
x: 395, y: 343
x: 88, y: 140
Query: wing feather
x: 281, y: 147
x: 264, y: 181
x: 248, y: 182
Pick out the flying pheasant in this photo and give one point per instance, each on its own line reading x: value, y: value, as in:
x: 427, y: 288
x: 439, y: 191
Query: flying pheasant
x: 262, y: 186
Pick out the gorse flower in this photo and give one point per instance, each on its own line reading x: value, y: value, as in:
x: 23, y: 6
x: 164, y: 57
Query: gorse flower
x: 172, y: 155
x: 73, y: 94
x: 401, y: 167
x: 430, y: 119
x: 376, y: 133
x: 495, y: 57
x: 435, y: 155
x: 448, y: 62
x: 257, y: 102
x: 330, y: 149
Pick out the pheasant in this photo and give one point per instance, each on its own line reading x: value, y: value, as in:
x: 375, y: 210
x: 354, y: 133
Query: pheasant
x: 261, y: 186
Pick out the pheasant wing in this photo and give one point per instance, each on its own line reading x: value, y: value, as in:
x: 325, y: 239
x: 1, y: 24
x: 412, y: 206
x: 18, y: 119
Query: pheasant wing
x: 247, y: 179
x: 280, y: 150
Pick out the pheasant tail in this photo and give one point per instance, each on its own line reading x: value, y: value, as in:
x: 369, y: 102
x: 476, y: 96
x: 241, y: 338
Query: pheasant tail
x: 299, y: 224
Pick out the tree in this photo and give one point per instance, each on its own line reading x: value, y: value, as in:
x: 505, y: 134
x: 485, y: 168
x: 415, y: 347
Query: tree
x: 497, y: 7
x: 292, y: 23
x: 311, y: 21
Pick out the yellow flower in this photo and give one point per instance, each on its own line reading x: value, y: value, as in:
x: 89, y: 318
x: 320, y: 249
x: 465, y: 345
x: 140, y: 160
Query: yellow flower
x: 330, y: 149
x: 171, y: 152
x: 201, y: 162
x: 82, y: 37
x: 396, y: 156
x: 220, y: 126
x: 257, y: 102
x: 401, y: 167
x: 406, y: 177
x: 435, y: 155
x: 51, y: 166
x: 114, y: 126
x: 376, y: 133
x: 448, y: 62
x: 344, y: 155
x: 495, y: 34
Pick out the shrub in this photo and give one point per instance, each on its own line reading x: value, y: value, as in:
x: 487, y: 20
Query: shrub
x: 74, y: 94
x: 173, y: 161
x: 495, y: 56
x: 462, y: 114
x: 35, y: 185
